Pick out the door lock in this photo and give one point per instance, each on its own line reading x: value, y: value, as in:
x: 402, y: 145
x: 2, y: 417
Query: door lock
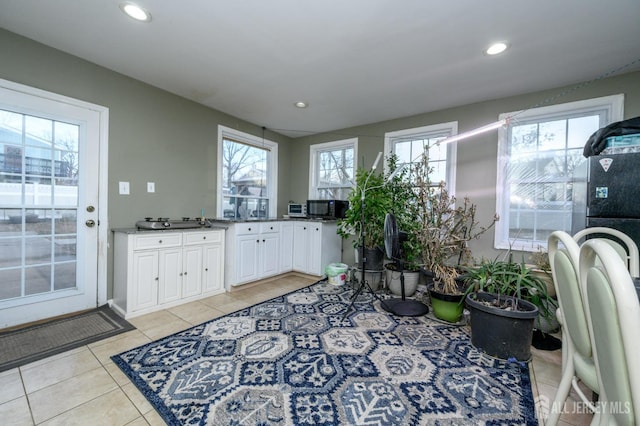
x: 90, y: 223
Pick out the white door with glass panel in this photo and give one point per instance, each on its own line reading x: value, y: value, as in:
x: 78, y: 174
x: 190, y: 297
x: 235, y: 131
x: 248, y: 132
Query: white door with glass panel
x: 49, y: 180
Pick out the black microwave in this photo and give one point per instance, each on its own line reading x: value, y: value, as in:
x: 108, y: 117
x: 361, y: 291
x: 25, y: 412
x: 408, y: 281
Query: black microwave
x: 327, y: 209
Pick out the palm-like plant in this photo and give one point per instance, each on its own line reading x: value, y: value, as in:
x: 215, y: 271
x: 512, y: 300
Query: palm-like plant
x: 508, y: 278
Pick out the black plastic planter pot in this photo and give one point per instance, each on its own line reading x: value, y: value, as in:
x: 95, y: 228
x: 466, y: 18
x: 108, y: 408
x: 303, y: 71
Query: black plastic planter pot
x: 498, y: 332
x: 374, y: 256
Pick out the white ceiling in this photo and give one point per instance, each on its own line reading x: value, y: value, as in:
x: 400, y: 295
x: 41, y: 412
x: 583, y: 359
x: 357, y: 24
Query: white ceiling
x: 354, y: 61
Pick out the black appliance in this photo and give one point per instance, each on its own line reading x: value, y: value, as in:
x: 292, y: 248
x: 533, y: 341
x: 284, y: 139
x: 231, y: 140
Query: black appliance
x: 613, y: 193
x: 327, y: 209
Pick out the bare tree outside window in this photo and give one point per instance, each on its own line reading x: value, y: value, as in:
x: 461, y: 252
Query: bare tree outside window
x: 244, y: 180
x: 543, y: 157
x: 336, y: 168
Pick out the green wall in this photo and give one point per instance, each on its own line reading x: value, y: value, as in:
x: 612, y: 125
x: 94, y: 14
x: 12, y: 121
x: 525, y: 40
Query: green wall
x: 477, y: 157
x: 154, y: 136
x: 157, y: 136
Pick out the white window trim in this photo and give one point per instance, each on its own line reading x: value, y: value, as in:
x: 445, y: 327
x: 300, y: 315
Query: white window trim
x: 614, y: 110
x: 452, y: 148
x: 313, y: 164
x: 272, y: 165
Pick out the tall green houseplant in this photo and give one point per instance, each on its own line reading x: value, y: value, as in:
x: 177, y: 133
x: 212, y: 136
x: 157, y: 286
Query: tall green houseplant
x: 377, y: 203
x: 404, y: 206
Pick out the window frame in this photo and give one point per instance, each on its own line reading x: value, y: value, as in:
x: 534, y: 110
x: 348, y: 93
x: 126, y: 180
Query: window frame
x: 272, y: 165
x: 316, y: 149
x: 445, y: 130
x: 610, y: 108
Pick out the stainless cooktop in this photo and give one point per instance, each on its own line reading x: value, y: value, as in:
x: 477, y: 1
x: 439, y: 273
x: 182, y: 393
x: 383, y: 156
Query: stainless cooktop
x: 163, y: 223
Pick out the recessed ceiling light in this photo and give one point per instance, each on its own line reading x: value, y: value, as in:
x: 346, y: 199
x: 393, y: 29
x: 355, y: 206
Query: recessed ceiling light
x: 301, y: 104
x: 496, y: 48
x: 136, y: 12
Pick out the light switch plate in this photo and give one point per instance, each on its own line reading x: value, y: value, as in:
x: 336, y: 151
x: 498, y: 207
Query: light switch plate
x: 151, y: 187
x: 123, y: 188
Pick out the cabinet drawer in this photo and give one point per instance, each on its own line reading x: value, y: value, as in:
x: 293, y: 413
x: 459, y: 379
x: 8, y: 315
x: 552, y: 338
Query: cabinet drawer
x: 157, y: 241
x: 268, y: 227
x: 247, y: 228
x: 210, y: 237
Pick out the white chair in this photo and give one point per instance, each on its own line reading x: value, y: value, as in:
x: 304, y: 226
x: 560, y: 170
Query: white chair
x: 628, y: 250
x: 613, y: 317
x: 577, y: 356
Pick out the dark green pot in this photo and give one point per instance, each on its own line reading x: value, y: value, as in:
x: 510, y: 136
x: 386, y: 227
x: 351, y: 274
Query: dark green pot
x: 447, y: 307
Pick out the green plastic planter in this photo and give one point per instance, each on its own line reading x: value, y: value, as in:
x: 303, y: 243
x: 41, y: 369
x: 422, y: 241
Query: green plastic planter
x: 447, y: 307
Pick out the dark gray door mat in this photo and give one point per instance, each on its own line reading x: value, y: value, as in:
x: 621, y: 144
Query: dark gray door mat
x: 22, y: 346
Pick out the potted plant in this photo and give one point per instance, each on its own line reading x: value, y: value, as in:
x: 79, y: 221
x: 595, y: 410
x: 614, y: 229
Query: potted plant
x: 504, y: 299
x: 444, y: 230
x: 405, y: 209
x: 364, y: 220
x: 544, y: 326
x: 542, y: 268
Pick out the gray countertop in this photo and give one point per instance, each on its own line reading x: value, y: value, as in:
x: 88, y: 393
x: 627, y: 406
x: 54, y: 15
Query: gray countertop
x: 220, y: 223
x: 271, y: 219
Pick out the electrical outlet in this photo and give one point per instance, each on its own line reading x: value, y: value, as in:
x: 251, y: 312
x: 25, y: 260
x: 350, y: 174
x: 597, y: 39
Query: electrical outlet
x: 151, y: 187
x: 124, y: 188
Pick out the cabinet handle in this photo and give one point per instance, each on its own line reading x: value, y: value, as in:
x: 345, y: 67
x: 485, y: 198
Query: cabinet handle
x: 249, y: 229
x: 204, y: 238
x: 271, y: 228
x: 185, y: 273
x: 257, y: 241
x: 304, y: 228
x: 263, y: 241
x: 317, y: 229
x: 181, y: 274
x: 160, y: 242
x: 157, y: 279
x: 206, y: 269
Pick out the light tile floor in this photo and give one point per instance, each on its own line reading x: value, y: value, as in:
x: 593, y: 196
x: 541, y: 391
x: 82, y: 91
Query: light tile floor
x: 83, y: 386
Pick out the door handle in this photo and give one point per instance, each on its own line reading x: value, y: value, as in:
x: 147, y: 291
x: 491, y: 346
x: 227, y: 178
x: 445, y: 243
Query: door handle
x: 90, y: 223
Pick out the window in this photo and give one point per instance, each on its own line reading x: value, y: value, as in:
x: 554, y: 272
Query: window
x: 409, y: 145
x: 247, y: 175
x: 541, y: 169
x: 333, y: 167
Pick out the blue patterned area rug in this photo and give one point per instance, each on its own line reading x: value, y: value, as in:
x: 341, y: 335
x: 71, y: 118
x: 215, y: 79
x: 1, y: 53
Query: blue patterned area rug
x: 293, y: 361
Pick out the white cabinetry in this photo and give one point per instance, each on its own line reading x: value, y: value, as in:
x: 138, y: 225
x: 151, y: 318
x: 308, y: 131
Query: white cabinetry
x: 315, y: 245
x: 253, y: 251
x: 286, y: 247
x: 258, y: 250
x: 269, y: 250
x: 161, y: 269
x: 301, y: 233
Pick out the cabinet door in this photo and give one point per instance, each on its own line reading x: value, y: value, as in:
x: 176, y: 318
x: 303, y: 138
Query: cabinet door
x: 286, y: 247
x: 213, y: 268
x: 144, y: 289
x: 192, y: 271
x: 300, y: 246
x: 314, y: 250
x: 247, y: 262
x: 169, y: 288
x: 270, y: 254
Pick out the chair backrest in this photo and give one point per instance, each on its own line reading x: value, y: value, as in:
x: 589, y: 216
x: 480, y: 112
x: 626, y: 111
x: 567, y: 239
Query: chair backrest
x: 564, y: 269
x: 628, y: 250
x: 614, y: 322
